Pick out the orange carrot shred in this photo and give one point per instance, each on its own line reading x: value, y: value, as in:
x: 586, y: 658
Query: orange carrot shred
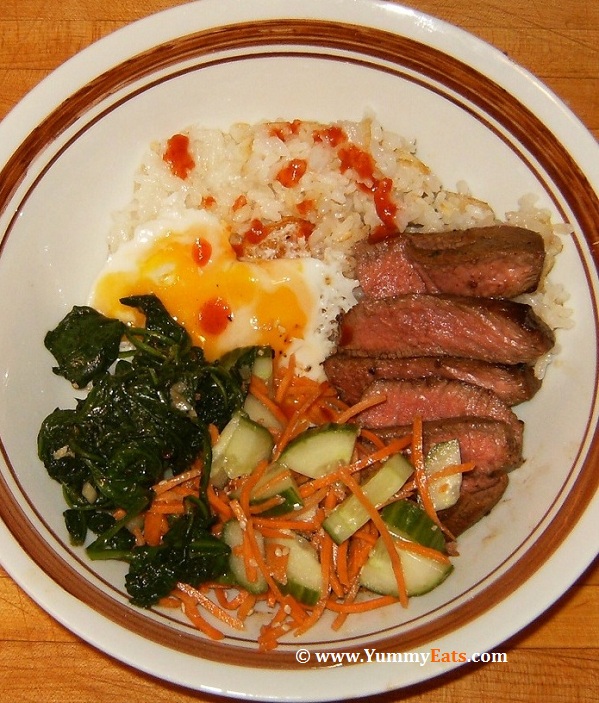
x: 360, y: 406
x: 388, y: 540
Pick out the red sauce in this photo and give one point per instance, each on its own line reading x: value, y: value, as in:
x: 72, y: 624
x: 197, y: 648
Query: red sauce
x: 333, y: 135
x: 240, y: 201
x: 305, y: 228
x: 378, y: 234
x: 178, y: 156
x: 201, y: 251
x: 214, y: 316
x: 305, y: 207
x: 290, y: 175
x: 386, y: 209
x: 285, y: 130
x: 256, y: 233
x: 352, y: 157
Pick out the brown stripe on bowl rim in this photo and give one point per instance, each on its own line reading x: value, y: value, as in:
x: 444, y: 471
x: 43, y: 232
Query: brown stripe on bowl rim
x: 381, y: 51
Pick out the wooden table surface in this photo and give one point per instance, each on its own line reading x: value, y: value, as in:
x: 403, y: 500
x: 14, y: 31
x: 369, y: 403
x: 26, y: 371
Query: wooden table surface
x: 555, y: 659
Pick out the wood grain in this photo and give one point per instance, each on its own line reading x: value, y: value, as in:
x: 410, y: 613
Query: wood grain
x: 556, y: 658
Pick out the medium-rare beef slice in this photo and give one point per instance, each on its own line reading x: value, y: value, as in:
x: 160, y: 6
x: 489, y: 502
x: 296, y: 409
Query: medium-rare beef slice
x: 490, y: 444
x: 351, y: 375
x: 498, y: 331
x: 500, y: 261
x: 384, y: 269
x: 473, y: 505
x: 433, y: 399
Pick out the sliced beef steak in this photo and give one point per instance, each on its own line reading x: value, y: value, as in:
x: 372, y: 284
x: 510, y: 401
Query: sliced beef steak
x: 497, y: 262
x: 351, y: 375
x: 434, y: 399
x: 472, y: 505
x: 491, y: 444
x: 498, y: 331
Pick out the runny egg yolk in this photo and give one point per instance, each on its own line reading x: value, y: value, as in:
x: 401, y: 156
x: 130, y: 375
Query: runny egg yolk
x: 222, y: 302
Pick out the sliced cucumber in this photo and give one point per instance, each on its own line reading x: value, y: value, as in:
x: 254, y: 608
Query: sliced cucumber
x: 304, y: 573
x: 408, y: 520
x: 350, y: 515
x: 233, y: 537
x: 263, y: 365
x: 421, y: 574
x: 285, y: 486
x: 242, y: 444
x: 320, y: 450
x: 258, y: 412
x: 445, y: 491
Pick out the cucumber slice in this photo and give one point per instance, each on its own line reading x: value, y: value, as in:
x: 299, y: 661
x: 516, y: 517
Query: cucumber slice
x: 258, y: 412
x: 421, y: 574
x: 408, y: 520
x: 350, y: 515
x: 285, y: 486
x: 304, y: 573
x: 444, y: 492
x: 263, y: 365
x: 242, y: 444
x: 320, y: 450
x: 233, y: 537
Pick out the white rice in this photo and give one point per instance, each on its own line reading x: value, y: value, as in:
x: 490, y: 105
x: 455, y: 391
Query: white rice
x: 245, y: 160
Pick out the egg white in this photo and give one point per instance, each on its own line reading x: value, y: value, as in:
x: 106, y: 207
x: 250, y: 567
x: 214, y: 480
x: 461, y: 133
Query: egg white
x: 272, y: 297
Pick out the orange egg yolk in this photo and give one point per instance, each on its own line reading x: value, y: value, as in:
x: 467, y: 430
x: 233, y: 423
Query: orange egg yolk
x: 222, y: 302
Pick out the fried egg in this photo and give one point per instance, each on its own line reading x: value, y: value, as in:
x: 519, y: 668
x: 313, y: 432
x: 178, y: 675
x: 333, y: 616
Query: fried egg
x: 186, y: 260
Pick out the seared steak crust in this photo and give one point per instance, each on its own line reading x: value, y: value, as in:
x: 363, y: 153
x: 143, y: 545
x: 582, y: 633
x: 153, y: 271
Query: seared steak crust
x: 473, y: 504
x: 351, y: 375
x: 499, y: 261
x: 498, y: 331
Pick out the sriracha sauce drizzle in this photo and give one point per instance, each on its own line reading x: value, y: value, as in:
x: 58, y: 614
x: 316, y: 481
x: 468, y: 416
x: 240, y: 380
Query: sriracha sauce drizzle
x: 178, y: 156
x: 215, y: 315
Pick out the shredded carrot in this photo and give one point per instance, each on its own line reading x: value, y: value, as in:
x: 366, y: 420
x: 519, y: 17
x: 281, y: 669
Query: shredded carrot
x: 372, y: 437
x: 417, y: 548
x: 350, y: 596
x: 260, y: 392
x: 297, y: 525
x: 191, y: 610
x: 246, y: 605
x: 154, y: 528
x: 394, y: 447
x: 421, y: 476
x: 277, y: 556
x: 168, y: 508
x: 169, y: 483
x: 266, y: 505
x: 359, y: 407
x: 342, y: 563
x: 453, y: 469
x: 214, y: 433
x: 219, y: 503
x: 293, y: 423
x: 211, y: 607
x: 388, y: 540
x: 286, y: 380
x: 362, y: 606
x: 267, y: 485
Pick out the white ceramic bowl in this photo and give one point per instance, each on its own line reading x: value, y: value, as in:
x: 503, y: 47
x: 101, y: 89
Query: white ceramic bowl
x: 67, y: 157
